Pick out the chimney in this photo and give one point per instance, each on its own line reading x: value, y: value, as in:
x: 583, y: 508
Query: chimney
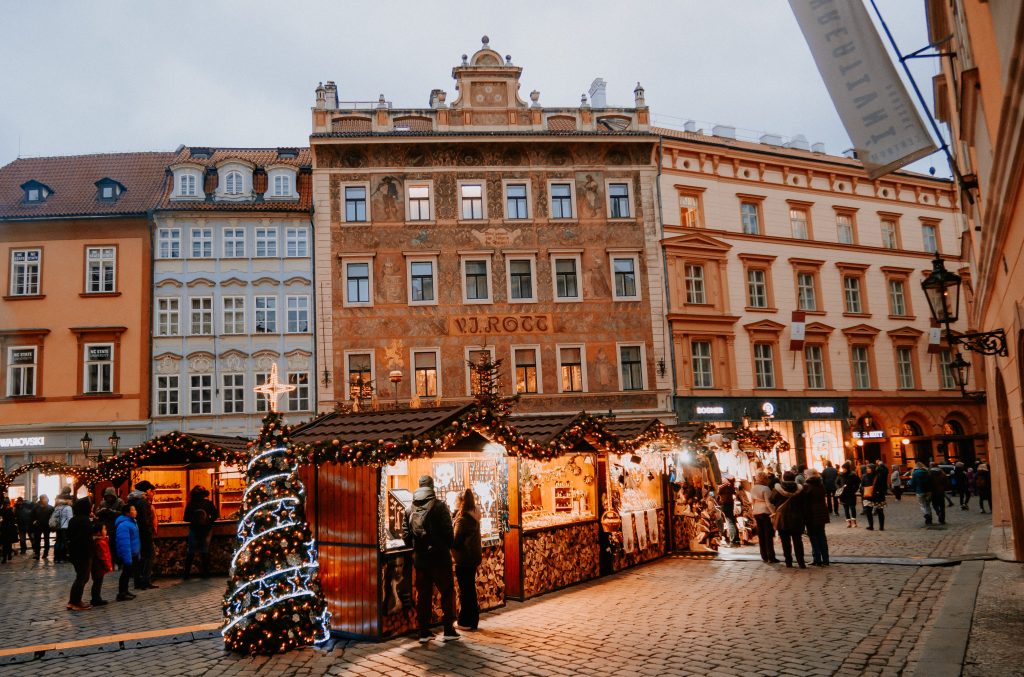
x: 331, y: 95
x: 818, y: 147
x: 771, y: 139
x: 799, y: 142
x: 690, y: 126
x: 597, y: 93
x: 724, y: 131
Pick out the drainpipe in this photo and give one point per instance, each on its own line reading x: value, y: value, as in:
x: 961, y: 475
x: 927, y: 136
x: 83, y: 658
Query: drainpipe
x: 669, y: 347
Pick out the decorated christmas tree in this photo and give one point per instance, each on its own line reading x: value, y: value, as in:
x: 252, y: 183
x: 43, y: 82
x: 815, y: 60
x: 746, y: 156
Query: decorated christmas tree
x: 273, y: 602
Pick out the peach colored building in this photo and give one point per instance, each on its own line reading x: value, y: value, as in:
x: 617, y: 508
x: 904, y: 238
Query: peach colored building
x: 980, y: 95
x: 75, y: 264
x: 489, y: 224
x: 756, y: 231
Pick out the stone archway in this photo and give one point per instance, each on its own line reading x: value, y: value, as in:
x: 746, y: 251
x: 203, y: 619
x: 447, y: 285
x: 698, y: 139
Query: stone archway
x: 1008, y: 454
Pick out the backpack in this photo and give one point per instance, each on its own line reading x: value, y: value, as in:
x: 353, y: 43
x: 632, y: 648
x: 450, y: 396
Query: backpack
x: 200, y: 518
x: 418, y: 527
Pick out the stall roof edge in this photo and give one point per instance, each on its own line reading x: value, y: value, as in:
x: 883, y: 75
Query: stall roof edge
x: 389, y: 424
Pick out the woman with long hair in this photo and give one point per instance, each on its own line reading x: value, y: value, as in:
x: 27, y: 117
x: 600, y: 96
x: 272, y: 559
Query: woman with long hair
x: 849, y: 484
x: 468, y: 552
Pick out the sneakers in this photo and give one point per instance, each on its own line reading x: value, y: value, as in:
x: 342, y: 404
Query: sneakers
x: 450, y: 635
x: 425, y: 636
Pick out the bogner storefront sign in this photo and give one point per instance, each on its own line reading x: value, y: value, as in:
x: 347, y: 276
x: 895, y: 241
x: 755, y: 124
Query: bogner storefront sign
x: 780, y: 409
x: 499, y: 324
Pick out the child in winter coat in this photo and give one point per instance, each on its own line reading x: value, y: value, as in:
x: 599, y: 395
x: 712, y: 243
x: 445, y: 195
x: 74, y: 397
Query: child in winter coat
x: 101, y: 561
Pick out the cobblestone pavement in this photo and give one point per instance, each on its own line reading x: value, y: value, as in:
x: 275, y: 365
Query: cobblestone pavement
x: 994, y: 647
x: 676, y: 616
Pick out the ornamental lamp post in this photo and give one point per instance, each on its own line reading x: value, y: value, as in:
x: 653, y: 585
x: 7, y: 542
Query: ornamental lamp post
x: 959, y: 368
x: 86, y: 443
x: 942, y: 289
x: 114, y: 440
x: 395, y: 377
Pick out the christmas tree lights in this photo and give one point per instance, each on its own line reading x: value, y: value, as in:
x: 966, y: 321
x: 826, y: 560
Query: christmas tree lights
x: 273, y: 602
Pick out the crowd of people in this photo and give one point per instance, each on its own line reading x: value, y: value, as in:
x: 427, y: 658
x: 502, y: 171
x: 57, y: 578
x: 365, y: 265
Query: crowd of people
x: 803, y: 499
x: 94, y: 538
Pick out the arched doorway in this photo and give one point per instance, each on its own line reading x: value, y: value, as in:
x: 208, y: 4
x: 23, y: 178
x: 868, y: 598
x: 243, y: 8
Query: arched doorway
x: 1008, y: 453
x: 920, y: 448
x: 956, y: 440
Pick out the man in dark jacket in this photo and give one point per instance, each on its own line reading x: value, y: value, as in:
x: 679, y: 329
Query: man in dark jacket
x: 960, y: 480
x: 200, y: 513
x: 79, y: 550
x: 816, y: 516
x: 428, y: 530
x: 829, y: 477
x: 23, y: 509
x: 41, y: 526
x: 939, y: 485
x: 141, y: 498
x: 108, y: 511
x: 727, y: 501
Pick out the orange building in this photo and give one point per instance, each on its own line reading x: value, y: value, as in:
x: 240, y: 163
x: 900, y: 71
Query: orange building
x: 75, y: 264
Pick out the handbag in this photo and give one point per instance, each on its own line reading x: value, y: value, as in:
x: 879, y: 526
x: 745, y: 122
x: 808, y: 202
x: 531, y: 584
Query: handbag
x: 777, y: 515
x: 869, y: 491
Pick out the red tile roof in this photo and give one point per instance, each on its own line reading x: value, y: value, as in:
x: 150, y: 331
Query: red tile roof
x: 72, y: 178
x: 262, y: 158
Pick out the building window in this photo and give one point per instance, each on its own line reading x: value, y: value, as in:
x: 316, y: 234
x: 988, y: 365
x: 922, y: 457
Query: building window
x: 946, y: 380
x: 695, y: 284
x: 472, y: 196
x: 202, y: 243
x: 168, y: 316
x: 624, y: 271
x: 266, y: 242
x: 298, y: 399
x: 101, y: 262
x: 476, y: 279
x: 419, y: 203
x: 261, y: 401
x: 527, y: 381
x: 421, y: 281
x: 187, y: 185
x: 233, y: 393
x: 234, y: 243
x: 928, y: 237
x: 570, y: 367
x: 757, y: 288
x: 814, y: 367
x: 200, y: 394
x: 168, y: 243
x: 567, y: 279
x: 851, y: 294
x: 425, y: 364
x: 897, y: 298
x: 844, y: 226
x: 889, y: 239
x: 296, y: 242
x: 764, y: 365
x: 99, y: 368
x: 807, y: 298
x: 474, y: 385
x: 700, y: 362
x: 905, y: 367
x: 798, y: 223
x: 201, y: 316
x: 515, y: 201
x: 167, y: 396
x: 233, y: 183
x: 21, y: 371
x: 357, y: 282
x: 234, y: 314
x: 266, y: 314
x: 618, y: 200
x: 561, y: 201
x: 631, y: 368
x: 750, y: 218
x: 282, y: 185
x: 689, y: 210
x: 25, y: 272
x: 861, y: 367
x: 355, y: 204
x: 360, y: 374
x: 297, y: 308
x: 520, y: 280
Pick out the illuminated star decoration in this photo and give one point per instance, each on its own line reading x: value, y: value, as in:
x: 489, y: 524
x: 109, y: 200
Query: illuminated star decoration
x: 273, y: 389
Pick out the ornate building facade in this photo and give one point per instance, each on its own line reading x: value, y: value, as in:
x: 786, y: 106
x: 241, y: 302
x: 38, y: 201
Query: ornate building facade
x: 756, y: 231
x: 232, y: 288
x: 488, y: 225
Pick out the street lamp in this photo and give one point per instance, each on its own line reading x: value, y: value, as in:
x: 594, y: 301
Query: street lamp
x: 959, y: 368
x: 395, y: 377
x: 114, y: 440
x: 86, y: 443
x: 942, y: 289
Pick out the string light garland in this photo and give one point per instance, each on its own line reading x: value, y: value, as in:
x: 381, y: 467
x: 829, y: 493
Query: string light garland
x: 273, y: 601
x: 762, y: 440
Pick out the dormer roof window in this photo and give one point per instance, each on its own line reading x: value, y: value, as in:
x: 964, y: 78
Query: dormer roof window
x: 36, y: 192
x: 281, y: 183
x: 108, y: 190
x: 188, y: 182
x: 235, y: 180
x: 288, y: 153
x: 200, y: 153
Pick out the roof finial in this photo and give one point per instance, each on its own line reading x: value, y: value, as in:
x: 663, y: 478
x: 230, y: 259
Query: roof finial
x: 486, y: 40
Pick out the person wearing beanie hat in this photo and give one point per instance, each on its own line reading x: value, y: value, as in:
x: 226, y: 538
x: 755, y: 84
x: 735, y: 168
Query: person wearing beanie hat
x: 428, y: 530
x: 142, y: 499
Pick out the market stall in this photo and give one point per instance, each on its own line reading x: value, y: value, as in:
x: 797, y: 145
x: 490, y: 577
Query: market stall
x: 692, y: 474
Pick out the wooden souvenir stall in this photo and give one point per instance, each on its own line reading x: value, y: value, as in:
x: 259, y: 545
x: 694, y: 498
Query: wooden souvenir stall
x: 356, y: 512
x: 691, y: 477
x: 635, y: 490
x: 553, y: 540
x: 174, y: 464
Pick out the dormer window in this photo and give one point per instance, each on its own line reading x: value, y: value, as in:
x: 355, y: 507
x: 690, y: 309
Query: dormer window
x: 281, y: 183
x: 235, y: 180
x: 187, y: 184
x: 233, y: 183
x: 108, y: 190
x: 35, y: 192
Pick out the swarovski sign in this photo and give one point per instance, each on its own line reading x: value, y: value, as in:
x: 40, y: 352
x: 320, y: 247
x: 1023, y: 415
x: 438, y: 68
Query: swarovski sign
x: 19, y: 442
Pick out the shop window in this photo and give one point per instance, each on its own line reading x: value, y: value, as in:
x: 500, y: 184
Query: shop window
x: 764, y: 365
x: 26, y: 271
x: 860, y: 357
x: 570, y: 368
x: 425, y: 366
x: 233, y: 393
x: 168, y: 316
x: 472, y: 199
x: 814, y: 367
x: 701, y: 364
x: 200, y: 394
x: 167, y: 396
x: 266, y: 242
x: 297, y: 308
x: 296, y: 242
x: 516, y: 203
x: 234, y: 243
x: 559, y: 491
x: 624, y: 272
x: 526, y: 363
x: 202, y: 243
x: 168, y: 243
x: 22, y: 363
x: 201, y: 316
x: 631, y: 367
x: 419, y: 202
x: 266, y: 314
x: 298, y: 399
x: 355, y: 204
x: 421, y: 282
x: 567, y: 280
x: 694, y: 278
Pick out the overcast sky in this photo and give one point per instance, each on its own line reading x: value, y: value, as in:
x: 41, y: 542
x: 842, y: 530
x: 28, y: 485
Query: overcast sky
x: 87, y: 77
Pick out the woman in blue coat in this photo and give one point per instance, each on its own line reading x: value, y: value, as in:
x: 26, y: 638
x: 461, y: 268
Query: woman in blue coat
x: 128, y: 547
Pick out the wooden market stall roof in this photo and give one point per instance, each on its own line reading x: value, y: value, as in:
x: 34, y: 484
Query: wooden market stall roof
x: 363, y: 426
x: 542, y: 429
